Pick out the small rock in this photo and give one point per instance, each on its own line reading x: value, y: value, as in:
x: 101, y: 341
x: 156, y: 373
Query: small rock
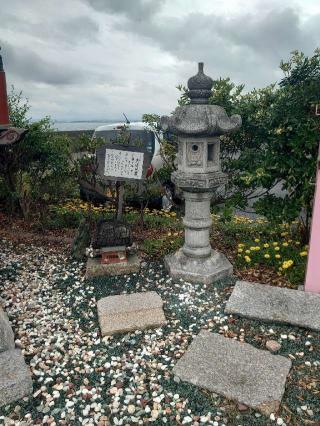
x: 242, y: 407
x: 131, y: 409
x: 273, y: 345
x: 154, y: 414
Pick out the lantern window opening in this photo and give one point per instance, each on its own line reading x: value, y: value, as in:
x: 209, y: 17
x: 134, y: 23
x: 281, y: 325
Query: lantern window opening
x: 211, y: 152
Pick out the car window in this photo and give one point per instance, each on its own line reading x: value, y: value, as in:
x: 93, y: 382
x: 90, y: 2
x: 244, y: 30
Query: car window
x: 143, y: 138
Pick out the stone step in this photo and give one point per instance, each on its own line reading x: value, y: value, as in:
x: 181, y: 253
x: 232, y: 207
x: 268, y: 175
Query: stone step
x: 238, y: 371
x: 268, y: 303
x: 6, y: 333
x: 15, y: 377
x: 128, y: 312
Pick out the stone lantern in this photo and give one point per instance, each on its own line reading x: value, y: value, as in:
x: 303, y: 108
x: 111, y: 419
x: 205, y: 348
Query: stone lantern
x: 198, y: 127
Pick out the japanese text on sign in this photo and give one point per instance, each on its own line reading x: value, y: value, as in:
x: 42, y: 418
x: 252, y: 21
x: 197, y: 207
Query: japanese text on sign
x: 123, y: 164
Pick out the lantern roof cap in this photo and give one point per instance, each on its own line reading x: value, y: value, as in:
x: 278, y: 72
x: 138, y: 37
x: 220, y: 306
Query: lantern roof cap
x: 199, y: 118
x: 199, y: 86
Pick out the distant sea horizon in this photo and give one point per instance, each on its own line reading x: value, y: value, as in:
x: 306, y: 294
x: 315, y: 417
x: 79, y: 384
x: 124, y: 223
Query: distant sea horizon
x: 83, y: 125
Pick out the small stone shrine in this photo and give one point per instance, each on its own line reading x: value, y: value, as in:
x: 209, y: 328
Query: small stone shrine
x: 112, y: 250
x: 111, y: 240
x: 112, y: 245
x: 198, y: 127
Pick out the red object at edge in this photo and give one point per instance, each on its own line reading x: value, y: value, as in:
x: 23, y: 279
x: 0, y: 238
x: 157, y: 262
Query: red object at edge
x: 112, y: 257
x: 4, y: 108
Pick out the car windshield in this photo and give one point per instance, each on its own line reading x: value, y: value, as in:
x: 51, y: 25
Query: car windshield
x: 143, y: 138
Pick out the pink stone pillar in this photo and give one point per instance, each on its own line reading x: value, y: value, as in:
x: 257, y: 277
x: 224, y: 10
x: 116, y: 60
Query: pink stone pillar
x: 312, y: 282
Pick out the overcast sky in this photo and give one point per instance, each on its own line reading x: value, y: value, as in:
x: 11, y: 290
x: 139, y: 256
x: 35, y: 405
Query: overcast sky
x: 94, y: 59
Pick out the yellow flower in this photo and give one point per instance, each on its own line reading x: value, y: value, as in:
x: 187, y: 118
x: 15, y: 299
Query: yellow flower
x: 257, y: 248
x: 287, y: 264
x: 266, y: 245
x: 303, y: 253
x: 285, y: 244
x: 240, y: 250
x: 283, y: 234
x: 267, y: 256
x: 277, y: 256
x: 297, y: 243
x: 248, y: 251
x: 252, y: 248
x: 275, y: 243
x: 240, y: 245
x: 247, y: 259
x: 277, y: 248
x: 257, y: 240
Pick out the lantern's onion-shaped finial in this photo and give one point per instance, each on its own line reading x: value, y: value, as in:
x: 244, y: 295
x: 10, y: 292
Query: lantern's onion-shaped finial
x: 200, y: 87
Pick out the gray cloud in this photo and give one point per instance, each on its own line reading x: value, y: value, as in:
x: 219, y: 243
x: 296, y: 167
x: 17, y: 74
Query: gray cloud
x: 65, y: 31
x: 87, y: 59
x: 30, y: 66
x: 246, y: 45
x: 136, y: 10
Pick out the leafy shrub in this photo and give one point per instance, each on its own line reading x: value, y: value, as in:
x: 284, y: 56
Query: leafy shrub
x: 277, y: 143
x: 286, y: 256
x: 35, y: 172
x: 159, y: 247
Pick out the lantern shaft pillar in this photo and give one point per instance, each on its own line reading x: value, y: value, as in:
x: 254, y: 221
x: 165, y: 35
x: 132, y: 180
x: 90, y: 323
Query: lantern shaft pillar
x: 197, y: 222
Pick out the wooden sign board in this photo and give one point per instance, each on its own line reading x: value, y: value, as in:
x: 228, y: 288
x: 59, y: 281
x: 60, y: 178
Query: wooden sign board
x: 122, y: 162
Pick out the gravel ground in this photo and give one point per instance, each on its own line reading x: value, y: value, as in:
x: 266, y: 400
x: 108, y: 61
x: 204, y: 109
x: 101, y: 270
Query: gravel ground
x: 80, y: 378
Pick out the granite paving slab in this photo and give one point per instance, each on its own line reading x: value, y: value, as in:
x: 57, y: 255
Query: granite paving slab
x: 236, y: 370
x: 15, y: 377
x: 6, y: 333
x: 264, y: 302
x: 128, y: 312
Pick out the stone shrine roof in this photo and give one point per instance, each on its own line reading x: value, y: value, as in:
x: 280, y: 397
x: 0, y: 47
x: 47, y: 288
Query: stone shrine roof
x: 199, y: 118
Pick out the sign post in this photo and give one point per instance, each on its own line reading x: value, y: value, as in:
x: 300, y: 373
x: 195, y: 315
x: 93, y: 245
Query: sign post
x: 312, y: 282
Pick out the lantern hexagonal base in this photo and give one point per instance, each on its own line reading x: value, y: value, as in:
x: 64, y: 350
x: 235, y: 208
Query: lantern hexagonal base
x: 198, y: 270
